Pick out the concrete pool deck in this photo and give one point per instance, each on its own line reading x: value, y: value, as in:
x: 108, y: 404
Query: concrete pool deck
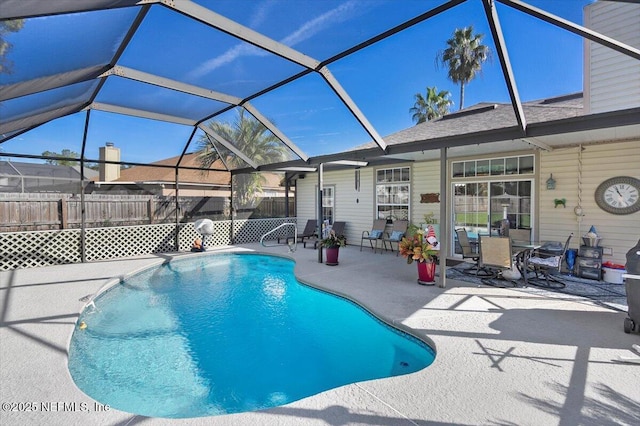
x: 504, y: 356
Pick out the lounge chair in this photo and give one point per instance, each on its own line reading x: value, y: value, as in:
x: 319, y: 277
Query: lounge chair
x: 374, y: 235
x: 397, y: 233
x: 308, y: 232
x: 468, y: 252
x: 496, y: 257
x: 338, y: 228
x: 547, y: 268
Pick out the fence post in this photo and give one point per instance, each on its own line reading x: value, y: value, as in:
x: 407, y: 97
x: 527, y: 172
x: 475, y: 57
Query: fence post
x: 150, y: 208
x: 64, y: 213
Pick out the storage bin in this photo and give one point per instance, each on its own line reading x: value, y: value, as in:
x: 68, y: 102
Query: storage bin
x: 613, y: 276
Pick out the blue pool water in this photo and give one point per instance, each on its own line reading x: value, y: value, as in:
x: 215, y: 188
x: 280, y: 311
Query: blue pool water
x: 230, y: 333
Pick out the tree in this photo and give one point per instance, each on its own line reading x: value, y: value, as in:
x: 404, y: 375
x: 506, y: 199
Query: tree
x: 6, y: 27
x: 66, y: 153
x: 254, y: 140
x: 464, y: 56
x: 434, y: 105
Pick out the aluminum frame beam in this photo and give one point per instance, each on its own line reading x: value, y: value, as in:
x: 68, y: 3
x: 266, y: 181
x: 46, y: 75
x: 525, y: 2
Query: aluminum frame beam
x: 505, y: 63
x: 227, y: 145
x: 574, y: 28
x: 99, y: 106
x: 241, y: 32
x: 275, y: 130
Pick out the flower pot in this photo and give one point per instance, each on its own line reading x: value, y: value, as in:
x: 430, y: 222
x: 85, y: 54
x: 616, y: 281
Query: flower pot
x: 426, y: 273
x: 332, y: 255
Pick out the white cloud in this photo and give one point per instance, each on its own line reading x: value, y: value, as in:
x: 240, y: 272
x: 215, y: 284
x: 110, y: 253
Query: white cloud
x: 307, y: 30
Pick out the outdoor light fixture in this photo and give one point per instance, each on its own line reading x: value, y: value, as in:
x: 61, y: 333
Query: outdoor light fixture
x: 551, y: 182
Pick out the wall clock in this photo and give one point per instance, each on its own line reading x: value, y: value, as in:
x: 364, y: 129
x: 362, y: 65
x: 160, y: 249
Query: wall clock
x: 619, y: 195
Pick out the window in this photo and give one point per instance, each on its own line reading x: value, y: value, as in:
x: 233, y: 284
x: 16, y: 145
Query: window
x: 328, y: 212
x: 521, y: 165
x: 392, y: 193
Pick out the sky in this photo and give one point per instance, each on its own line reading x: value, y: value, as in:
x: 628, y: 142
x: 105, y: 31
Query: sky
x: 381, y: 79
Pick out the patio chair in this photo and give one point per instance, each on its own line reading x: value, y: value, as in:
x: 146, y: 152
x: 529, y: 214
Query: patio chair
x: 523, y: 235
x: 469, y: 253
x: 338, y: 228
x: 495, y: 256
x: 397, y: 233
x: 547, y: 268
x: 374, y: 235
x: 308, y: 232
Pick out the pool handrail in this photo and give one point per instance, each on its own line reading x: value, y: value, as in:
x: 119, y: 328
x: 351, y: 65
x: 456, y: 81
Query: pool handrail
x: 292, y: 246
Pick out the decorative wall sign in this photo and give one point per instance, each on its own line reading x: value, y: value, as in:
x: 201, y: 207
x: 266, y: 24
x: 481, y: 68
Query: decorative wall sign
x: 433, y: 197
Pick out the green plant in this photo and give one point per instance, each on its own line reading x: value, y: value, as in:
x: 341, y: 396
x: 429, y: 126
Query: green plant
x: 333, y: 240
x: 416, y: 246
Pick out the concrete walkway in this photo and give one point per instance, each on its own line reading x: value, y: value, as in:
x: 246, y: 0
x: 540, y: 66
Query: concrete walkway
x: 504, y: 356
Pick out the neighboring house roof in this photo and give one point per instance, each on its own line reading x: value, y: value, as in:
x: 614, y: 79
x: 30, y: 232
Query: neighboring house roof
x: 44, y: 170
x: 212, y: 177
x: 164, y: 174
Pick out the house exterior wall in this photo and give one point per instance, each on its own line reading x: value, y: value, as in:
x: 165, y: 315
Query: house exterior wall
x: 611, y: 79
x: 599, y: 162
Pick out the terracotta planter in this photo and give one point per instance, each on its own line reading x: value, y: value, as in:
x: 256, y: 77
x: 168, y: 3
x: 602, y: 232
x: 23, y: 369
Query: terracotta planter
x: 426, y: 273
x: 332, y: 255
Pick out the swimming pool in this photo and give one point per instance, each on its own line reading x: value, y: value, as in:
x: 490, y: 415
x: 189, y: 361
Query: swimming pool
x: 228, y: 333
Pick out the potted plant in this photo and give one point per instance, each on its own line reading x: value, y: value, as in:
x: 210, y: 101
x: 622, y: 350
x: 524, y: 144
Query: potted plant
x: 423, y: 248
x: 332, y: 245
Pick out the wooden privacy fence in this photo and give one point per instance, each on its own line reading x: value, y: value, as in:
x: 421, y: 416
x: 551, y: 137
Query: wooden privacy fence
x: 41, y: 211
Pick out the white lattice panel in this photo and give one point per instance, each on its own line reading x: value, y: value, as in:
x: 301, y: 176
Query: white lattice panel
x: 250, y: 231
x: 38, y: 248
x: 43, y: 248
x: 127, y: 241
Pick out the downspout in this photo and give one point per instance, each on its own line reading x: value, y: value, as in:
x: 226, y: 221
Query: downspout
x: 444, y: 223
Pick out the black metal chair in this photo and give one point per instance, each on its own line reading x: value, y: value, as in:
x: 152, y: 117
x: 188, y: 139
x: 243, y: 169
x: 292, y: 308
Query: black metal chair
x: 337, y: 227
x: 547, y: 268
x: 308, y: 232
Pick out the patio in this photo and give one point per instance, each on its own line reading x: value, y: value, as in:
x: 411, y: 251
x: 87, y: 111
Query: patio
x: 504, y: 356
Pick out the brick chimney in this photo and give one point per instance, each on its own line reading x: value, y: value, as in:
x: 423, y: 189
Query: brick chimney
x: 109, y: 172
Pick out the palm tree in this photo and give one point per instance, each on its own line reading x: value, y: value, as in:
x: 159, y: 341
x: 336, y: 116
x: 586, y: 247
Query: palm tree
x: 253, y: 139
x: 435, y: 105
x: 464, y: 57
